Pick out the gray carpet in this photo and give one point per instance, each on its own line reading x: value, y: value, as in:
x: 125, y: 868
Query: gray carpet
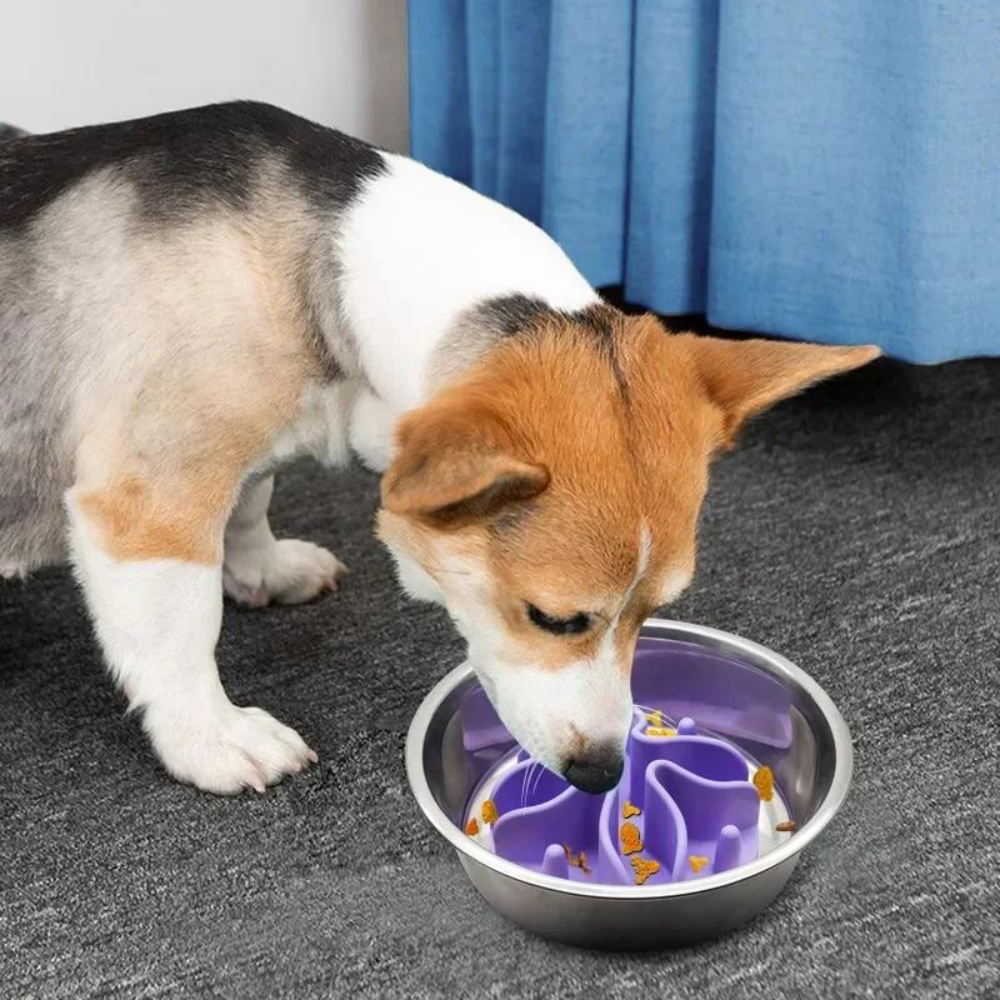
x: 857, y: 531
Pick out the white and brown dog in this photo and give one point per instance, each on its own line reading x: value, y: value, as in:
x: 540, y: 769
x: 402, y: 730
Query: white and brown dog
x: 190, y: 300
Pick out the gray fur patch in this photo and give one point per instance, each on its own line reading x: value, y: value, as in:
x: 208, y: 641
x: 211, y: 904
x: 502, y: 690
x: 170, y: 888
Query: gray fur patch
x: 34, y: 464
x: 319, y: 285
x: 481, y: 328
x: 488, y: 323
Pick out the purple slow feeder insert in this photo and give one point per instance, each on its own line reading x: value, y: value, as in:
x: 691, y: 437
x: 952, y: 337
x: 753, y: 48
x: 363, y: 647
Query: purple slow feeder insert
x: 693, y: 789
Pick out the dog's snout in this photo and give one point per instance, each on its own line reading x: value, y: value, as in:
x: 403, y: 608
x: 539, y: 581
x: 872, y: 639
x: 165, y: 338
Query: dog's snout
x: 596, y: 770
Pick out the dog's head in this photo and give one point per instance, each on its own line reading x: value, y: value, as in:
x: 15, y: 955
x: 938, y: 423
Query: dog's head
x: 550, y: 497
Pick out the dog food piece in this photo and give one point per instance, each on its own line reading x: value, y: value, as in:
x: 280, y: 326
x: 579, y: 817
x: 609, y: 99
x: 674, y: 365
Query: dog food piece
x: 660, y: 731
x: 630, y: 810
x: 472, y: 827
x: 764, y: 781
x: 655, y: 719
x: 643, y: 869
x: 787, y: 826
x: 577, y: 860
x: 489, y: 812
x: 697, y: 862
x: 631, y: 839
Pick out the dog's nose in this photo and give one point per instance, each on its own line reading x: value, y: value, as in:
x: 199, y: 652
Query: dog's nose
x: 597, y: 770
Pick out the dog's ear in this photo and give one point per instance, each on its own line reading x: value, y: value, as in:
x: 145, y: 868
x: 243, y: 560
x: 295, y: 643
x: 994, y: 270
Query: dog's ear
x: 455, y: 464
x: 744, y: 377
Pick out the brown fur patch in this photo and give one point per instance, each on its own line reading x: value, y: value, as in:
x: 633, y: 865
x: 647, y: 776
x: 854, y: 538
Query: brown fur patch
x: 624, y: 418
x: 744, y: 377
x: 134, y: 522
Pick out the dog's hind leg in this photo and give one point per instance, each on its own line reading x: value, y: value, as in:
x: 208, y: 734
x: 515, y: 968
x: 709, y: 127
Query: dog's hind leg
x: 258, y: 568
x: 151, y: 569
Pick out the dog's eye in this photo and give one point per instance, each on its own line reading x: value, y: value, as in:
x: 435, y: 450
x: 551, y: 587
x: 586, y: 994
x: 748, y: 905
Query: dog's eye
x: 559, y: 626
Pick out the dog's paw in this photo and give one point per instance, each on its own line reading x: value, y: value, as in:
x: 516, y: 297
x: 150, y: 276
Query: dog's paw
x: 289, y: 572
x: 226, y: 749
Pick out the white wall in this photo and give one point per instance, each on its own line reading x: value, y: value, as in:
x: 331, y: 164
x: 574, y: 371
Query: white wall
x: 76, y: 62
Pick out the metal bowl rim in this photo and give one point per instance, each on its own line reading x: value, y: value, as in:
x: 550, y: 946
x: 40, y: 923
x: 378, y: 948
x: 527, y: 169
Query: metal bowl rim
x: 713, y: 638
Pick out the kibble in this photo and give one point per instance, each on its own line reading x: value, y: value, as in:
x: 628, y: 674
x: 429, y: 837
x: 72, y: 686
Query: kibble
x: 643, y: 868
x: 631, y: 838
x: 764, y: 782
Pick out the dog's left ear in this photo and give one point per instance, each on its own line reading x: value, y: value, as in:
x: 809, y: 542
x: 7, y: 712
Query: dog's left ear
x: 455, y: 464
x: 744, y: 377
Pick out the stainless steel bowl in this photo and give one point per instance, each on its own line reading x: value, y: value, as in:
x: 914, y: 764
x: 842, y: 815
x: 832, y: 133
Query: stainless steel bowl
x: 813, y: 776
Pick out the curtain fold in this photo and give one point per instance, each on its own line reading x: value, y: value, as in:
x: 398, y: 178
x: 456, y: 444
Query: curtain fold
x: 827, y: 170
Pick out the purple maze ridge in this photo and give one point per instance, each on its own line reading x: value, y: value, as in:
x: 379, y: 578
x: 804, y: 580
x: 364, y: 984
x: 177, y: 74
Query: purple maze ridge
x: 691, y: 786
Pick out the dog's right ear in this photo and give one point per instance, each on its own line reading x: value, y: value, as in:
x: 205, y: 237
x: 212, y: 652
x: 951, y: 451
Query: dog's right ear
x: 454, y: 464
x: 742, y: 378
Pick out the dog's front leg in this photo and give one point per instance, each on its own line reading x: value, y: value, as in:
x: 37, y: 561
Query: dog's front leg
x: 158, y: 621
x: 258, y: 568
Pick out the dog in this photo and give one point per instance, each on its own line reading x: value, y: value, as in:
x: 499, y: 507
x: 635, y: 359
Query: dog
x: 190, y: 300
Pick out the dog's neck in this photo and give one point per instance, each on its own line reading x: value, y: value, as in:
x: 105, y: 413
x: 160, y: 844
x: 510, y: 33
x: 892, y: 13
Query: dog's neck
x: 431, y: 273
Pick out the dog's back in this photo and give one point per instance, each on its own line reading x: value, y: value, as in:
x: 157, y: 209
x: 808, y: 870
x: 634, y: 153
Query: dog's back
x: 78, y: 212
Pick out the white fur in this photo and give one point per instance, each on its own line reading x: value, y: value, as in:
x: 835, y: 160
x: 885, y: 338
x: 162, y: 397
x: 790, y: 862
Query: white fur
x: 258, y: 568
x: 373, y: 426
x: 158, y: 622
x: 420, y: 249
x: 590, y: 698
x: 414, y: 579
x: 549, y: 710
x: 674, y: 584
x: 642, y: 564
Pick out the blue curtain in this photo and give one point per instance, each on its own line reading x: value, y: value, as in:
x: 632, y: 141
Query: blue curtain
x: 825, y: 169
